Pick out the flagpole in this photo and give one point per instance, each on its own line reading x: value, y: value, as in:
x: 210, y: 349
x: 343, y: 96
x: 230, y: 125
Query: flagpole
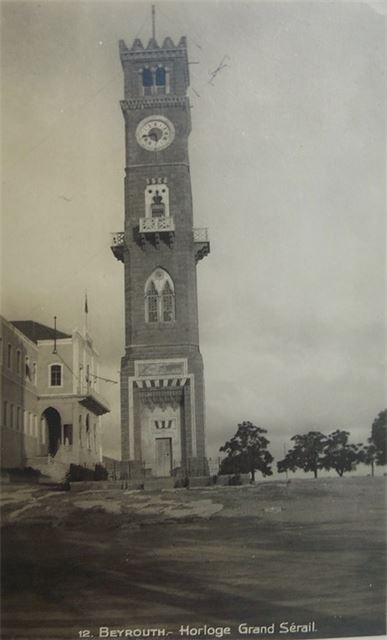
x: 54, y: 349
x: 153, y: 22
x: 86, y: 310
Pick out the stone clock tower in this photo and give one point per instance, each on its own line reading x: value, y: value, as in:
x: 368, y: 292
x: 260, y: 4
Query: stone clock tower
x: 162, y: 388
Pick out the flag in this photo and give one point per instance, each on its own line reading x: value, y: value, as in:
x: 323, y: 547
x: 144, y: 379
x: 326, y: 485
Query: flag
x: 86, y: 307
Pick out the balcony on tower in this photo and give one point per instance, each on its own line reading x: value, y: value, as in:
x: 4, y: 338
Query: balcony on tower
x: 201, y: 243
x: 156, y: 227
x: 118, y: 245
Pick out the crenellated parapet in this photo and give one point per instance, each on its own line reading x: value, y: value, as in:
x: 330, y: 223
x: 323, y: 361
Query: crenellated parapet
x: 168, y: 52
x: 137, y: 45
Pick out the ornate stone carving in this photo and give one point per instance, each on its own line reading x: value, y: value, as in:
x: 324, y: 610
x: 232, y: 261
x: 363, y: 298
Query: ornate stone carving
x: 169, y: 397
x: 162, y: 369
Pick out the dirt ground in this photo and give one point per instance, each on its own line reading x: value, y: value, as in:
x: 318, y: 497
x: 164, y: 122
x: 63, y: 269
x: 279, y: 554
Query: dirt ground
x: 134, y: 564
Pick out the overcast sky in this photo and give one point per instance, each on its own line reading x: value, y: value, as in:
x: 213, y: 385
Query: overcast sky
x: 288, y: 173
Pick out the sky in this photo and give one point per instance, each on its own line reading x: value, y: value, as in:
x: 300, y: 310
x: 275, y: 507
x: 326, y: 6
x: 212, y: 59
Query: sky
x: 288, y: 172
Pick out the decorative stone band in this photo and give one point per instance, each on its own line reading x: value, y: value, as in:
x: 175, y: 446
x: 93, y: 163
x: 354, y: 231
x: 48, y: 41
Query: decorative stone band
x: 170, y: 397
x: 161, y: 383
x: 150, y: 102
x: 144, y: 55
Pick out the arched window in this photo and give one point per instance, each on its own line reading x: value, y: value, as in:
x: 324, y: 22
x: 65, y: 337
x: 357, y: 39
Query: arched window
x: 161, y: 80
x: 154, y: 81
x: 147, y: 81
x: 160, y: 76
x: 159, y: 297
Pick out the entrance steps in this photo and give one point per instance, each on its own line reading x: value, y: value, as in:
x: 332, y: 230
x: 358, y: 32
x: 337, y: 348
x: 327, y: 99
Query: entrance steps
x: 51, y: 469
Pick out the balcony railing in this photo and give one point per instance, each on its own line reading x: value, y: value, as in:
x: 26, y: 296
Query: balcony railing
x: 118, y: 238
x: 117, y: 245
x: 200, y: 235
x: 202, y: 243
x: 156, y: 225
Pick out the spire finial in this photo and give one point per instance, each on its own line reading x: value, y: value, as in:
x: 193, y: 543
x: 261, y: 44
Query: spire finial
x: 153, y: 22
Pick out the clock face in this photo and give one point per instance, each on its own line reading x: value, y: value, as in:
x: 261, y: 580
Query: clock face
x: 155, y: 133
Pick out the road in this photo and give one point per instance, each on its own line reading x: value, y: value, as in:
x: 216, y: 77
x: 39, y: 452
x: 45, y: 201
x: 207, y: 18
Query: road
x: 114, y: 562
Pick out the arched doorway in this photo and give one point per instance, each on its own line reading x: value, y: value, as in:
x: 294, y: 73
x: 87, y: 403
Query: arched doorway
x: 54, y: 428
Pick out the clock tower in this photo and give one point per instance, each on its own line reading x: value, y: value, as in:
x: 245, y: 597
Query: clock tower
x: 162, y: 387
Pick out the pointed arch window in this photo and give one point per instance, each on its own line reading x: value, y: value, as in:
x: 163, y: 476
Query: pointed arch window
x: 159, y: 298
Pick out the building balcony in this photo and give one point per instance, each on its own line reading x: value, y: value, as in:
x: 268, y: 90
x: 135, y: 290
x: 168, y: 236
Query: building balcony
x: 201, y: 243
x: 94, y: 403
x: 118, y: 245
x: 155, y: 227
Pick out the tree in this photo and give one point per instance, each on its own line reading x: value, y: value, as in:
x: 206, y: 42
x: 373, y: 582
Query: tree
x: 306, y: 454
x: 247, y: 452
x: 368, y: 455
x: 339, y: 454
x: 379, y: 437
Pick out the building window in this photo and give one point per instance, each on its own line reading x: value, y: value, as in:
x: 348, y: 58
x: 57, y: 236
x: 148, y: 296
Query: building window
x: 5, y: 413
x: 157, y: 198
x: 9, y: 356
x: 18, y: 419
x: 147, y: 82
x: 155, y: 81
x: 159, y: 298
x: 163, y: 424
x: 80, y: 428
x: 34, y: 373
x: 161, y: 80
x: 55, y: 375
x: 88, y: 431
x: 11, y: 416
x: 18, y: 362
x: 157, y: 205
x: 68, y: 434
x: 95, y: 436
x: 152, y: 303
x: 167, y: 303
x: 28, y: 369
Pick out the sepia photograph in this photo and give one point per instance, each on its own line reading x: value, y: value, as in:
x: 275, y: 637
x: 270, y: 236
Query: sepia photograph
x: 192, y: 331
